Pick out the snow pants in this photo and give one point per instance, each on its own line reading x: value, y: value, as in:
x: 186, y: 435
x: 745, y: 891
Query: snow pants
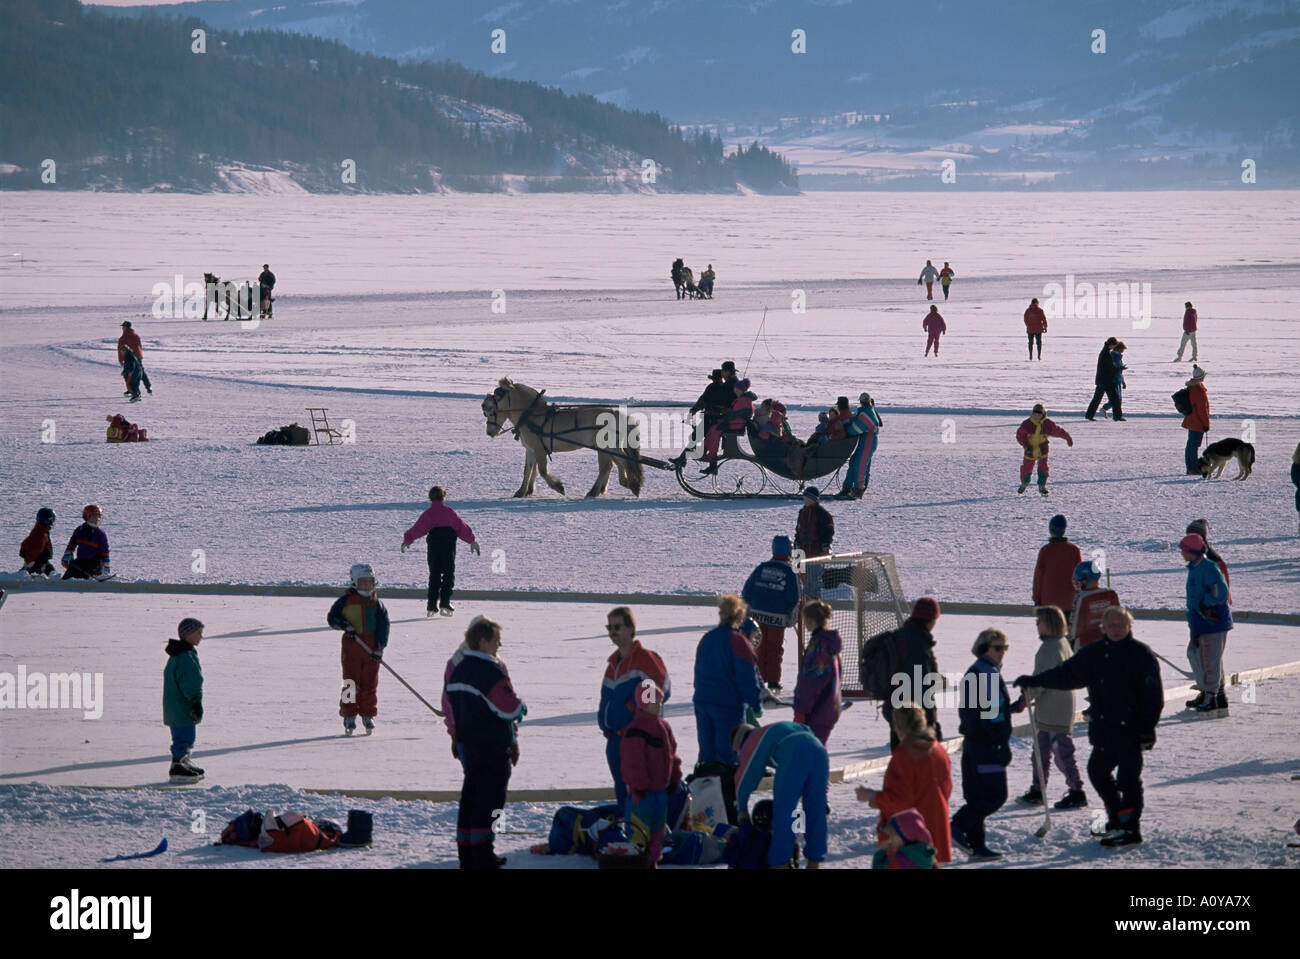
x: 1058, y: 747
x: 363, y: 672
x: 647, y: 821
x: 442, y: 566
x: 1122, y: 792
x: 932, y: 340
x: 713, y: 438
x: 182, y: 741
x: 614, y: 757
x: 984, y: 789
x: 713, y: 726
x: 945, y: 289
x: 771, y: 650
x: 1191, y: 452
x: 1035, y: 338
x: 803, y: 779
x: 1188, y: 335
x: 483, y: 792
x: 1027, y: 467
x: 859, y: 476
x: 83, y: 569
x: 1205, y: 653
x: 929, y: 290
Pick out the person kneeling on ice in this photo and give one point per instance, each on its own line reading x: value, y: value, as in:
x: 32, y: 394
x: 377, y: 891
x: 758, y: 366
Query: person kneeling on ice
x: 364, y: 622
x: 802, y: 775
x: 650, y: 769
x: 485, y: 714
x: 1033, y: 439
x: 183, y: 697
x: 36, y: 550
x: 443, y: 527
x: 1123, y: 680
x: 907, y: 843
x: 91, y: 547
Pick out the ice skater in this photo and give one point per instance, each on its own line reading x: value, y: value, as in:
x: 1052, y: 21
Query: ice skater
x: 364, y: 621
x: 1035, y: 326
x: 934, y: 327
x: 865, y: 423
x: 945, y: 278
x: 1033, y: 437
x: 183, y: 698
x: 443, y: 527
x: 1189, y: 332
x: 928, y: 275
x: 1117, y: 358
x: 265, y: 286
x: 772, y: 592
x: 130, y: 356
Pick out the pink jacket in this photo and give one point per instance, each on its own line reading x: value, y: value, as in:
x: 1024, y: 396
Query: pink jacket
x: 648, y: 759
x: 933, y: 323
x: 438, y: 514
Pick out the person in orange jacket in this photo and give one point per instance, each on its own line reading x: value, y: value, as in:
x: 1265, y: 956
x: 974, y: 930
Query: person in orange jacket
x: 1197, y: 422
x: 1035, y: 326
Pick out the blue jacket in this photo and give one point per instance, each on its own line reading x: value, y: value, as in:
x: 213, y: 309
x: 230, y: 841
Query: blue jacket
x: 485, y: 705
x: 985, y: 725
x: 1207, y: 598
x: 775, y: 745
x: 726, y: 670
x: 772, y: 592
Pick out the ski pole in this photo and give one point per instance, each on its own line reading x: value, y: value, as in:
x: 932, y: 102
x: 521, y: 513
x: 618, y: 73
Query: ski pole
x: 436, y: 711
x: 1042, y: 773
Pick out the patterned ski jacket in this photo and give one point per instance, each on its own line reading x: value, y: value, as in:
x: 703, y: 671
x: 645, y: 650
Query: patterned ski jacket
x: 367, y: 617
x: 772, y: 592
x: 622, y: 683
x: 1085, y: 616
x: 817, y: 691
x: 484, y: 704
x: 1033, y: 437
x: 90, y: 544
x: 438, y: 514
x: 726, y: 670
x: 775, y: 745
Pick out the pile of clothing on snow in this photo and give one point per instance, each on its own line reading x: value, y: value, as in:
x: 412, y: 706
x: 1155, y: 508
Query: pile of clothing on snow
x: 295, y: 832
x: 291, y: 435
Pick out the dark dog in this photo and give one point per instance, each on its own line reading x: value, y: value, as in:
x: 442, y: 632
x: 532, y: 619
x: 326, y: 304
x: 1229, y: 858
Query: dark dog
x: 1218, y: 454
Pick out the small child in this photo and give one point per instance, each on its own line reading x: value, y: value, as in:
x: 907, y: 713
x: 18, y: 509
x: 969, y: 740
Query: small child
x: 907, y: 844
x: 91, y: 546
x: 651, y: 769
x: 183, y: 697
x: 364, y: 622
x: 817, y: 691
x: 1117, y: 357
x: 1054, y: 715
x: 443, y: 526
x: 36, y: 550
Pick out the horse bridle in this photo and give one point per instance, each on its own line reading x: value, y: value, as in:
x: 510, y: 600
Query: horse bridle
x: 521, y: 420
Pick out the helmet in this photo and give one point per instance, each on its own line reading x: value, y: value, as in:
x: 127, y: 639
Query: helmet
x: 1086, y: 570
x: 45, y: 516
x: 362, y: 571
x: 92, y: 512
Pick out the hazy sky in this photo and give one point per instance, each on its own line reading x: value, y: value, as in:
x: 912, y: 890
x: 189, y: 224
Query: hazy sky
x: 133, y: 3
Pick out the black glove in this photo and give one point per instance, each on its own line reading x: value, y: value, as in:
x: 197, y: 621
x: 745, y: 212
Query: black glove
x: 455, y: 753
x: 377, y: 654
x: 1147, y: 739
x: 1023, y: 681
x: 196, y: 712
x: 514, y: 754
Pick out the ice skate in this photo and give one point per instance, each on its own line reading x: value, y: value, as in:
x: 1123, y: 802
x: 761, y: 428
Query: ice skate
x: 369, y: 724
x: 446, y: 609
x: 349, y: 725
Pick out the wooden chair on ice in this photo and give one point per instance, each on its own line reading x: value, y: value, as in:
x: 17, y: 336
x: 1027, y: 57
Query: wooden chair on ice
x: 321, y: 424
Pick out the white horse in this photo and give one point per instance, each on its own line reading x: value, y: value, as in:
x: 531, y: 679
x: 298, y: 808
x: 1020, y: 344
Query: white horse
x: 545, y: 428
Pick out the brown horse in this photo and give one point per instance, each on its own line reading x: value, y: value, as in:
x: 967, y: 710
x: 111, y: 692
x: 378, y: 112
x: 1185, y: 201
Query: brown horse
x: 545, y: 428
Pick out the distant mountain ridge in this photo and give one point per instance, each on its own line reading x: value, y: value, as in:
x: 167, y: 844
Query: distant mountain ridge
x: 1185, y: 90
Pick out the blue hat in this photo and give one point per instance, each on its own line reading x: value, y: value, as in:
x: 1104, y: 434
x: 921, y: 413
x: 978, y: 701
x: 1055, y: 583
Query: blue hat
x: 1057, y: 524
x: 780, y: 545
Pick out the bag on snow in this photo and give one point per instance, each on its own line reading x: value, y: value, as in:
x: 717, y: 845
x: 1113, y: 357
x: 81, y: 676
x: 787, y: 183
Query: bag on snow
x: 578, y: 831
x: 243, y: 830
x: 1182, y: 400
x: 294, y: 832
x: 882, y: 657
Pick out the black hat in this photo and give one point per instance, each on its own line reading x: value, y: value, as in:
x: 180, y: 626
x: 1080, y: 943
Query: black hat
x: 812, y: 493
x: 728, y: 365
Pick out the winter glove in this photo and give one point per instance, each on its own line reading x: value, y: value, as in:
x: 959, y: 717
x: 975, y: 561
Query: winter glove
x: 455, y: 753
x: 514, y: 754
x: 1069, y: 442
x: 865, y: 794
x: 377, y: 655
x: 1019, y: 705
x: 67, y: 558
x: 1147, y: 739
x: 196, y: 712
x: 473, y: 548
x: 404, y: 547
x: 1023, y: 681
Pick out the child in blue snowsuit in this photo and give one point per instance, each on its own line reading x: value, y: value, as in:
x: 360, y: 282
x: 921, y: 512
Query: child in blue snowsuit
x: 802, y: 772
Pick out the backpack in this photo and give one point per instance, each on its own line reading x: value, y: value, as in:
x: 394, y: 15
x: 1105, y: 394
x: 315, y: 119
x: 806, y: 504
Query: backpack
x: 882, y: 656
x: 294, y: 832
x: 1183, y: 401
x: 243, y: 830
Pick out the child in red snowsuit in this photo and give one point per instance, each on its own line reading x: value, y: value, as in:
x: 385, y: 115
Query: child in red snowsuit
x: 363, y: 619
x: 1032, y: 437
x: 935, y: 327
x: 651, y: 769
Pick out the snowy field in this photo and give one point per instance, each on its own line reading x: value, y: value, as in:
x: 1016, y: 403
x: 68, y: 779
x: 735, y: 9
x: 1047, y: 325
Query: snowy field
x: 384, y: 315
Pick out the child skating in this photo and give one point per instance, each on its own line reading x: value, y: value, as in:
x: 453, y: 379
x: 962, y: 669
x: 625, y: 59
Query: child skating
x: 1033, y: 439
x: 443, y: 527
x: 364, y: 622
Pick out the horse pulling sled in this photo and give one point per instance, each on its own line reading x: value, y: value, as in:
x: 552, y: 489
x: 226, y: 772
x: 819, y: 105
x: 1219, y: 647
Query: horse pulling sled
x: 771, y: 469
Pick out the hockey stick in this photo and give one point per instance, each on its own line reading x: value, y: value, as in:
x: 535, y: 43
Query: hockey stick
x: 1042, y: 775
x: 436, y: 711
x: 1181, y: 672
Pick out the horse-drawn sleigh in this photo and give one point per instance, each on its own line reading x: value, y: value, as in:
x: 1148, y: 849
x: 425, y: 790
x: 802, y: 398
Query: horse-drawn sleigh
x: 769, y: 469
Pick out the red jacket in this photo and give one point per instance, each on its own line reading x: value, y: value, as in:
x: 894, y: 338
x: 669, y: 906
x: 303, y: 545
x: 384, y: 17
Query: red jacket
x: 1054, y: 574
x: 1034, y: 437
x: 1085, y: 619
x: 129, y: 340
x: 1199, y: 418
x: 934, y: 324
x: 1189, y: 320
x: 919, y: 777
x: 1035, y: 320
x: 649, y: 760
x: 36, y: 545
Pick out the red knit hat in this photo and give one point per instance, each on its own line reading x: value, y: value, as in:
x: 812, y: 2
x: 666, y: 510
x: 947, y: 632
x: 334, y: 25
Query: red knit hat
x: 1192, y: 543
x: 927, y: 608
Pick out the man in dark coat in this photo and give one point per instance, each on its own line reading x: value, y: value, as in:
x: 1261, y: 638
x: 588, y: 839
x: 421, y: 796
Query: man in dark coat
x: 813, y: 531
x: 715, y: 400
x: 265, y: 284
x: 1105, y: 382
x: 916, y: 637
x: 1123, y: 680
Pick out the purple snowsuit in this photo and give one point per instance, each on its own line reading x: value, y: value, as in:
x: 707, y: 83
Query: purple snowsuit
x: 817, y: 693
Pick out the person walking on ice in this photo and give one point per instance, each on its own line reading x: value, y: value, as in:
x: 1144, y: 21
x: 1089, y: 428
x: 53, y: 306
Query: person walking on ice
x: 1035, y: 326
x: 364, y: 622
x: 945, y: 278
x: 934, y: 327
x: 1033, y: 437
x: 130, y: 356
x: 1189, y: 332
x: 265, y: 288
x: 443, y: 527
x: 928, y: 275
